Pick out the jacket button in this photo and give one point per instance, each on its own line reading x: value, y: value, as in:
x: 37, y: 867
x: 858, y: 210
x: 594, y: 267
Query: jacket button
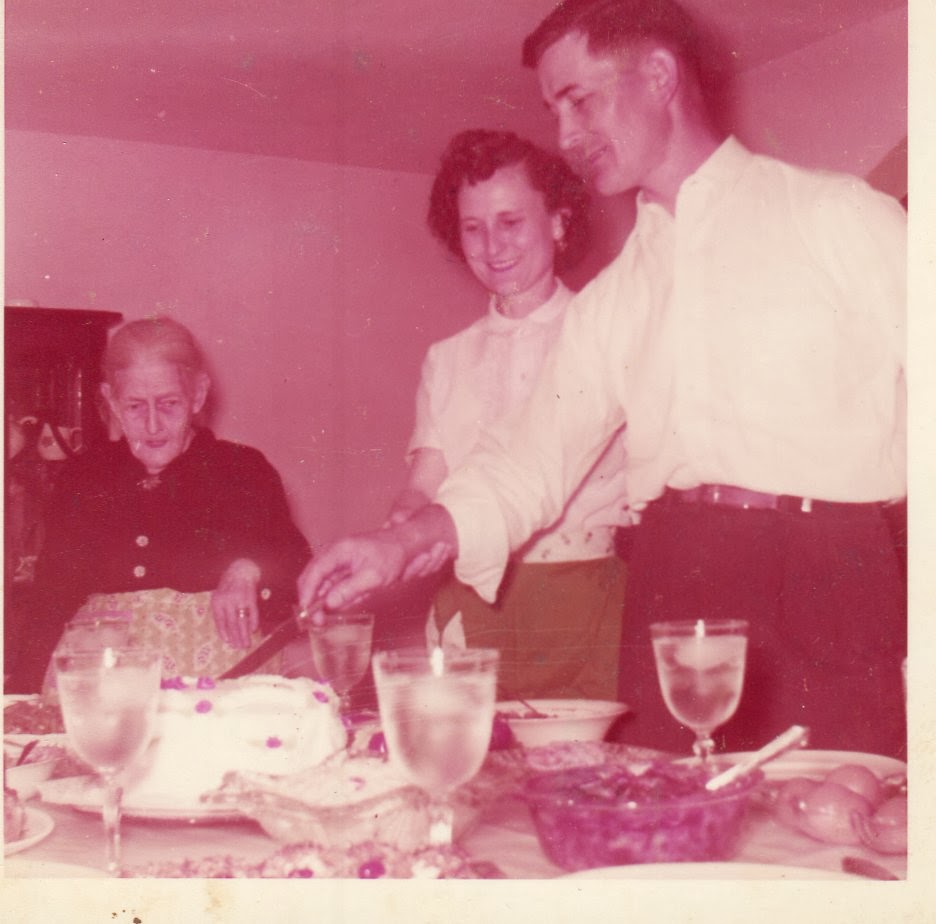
x: 142, y: 541
x: 139, y: 571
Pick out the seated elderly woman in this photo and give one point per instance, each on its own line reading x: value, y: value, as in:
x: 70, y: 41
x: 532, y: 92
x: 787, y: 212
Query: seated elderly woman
x: 186, y: 536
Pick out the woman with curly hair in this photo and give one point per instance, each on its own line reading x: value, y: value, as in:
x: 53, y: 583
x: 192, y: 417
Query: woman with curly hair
x: 518, y: 216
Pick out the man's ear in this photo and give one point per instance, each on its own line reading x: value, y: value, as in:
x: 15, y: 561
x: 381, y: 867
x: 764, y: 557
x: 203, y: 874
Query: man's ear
x: 662, y: 71
x: 202, y: 387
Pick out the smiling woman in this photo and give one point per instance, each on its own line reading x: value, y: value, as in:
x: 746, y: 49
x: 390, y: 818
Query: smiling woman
x: 516, y: 215
x: 187, y: 537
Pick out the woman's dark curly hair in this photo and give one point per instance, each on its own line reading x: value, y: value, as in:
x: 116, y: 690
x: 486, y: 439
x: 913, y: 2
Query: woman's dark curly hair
x: 475, y: 155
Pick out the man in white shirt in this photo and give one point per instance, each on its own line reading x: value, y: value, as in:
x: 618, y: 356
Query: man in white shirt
x: 751, y: 335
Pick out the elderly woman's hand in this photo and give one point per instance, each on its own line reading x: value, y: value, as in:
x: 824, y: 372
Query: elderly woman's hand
x: 234, y: 603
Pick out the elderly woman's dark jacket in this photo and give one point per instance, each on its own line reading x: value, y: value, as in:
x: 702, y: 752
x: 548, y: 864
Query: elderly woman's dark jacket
x: 110, y: 528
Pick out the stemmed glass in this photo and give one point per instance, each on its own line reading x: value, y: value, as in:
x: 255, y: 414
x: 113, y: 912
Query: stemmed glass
x: 341, y: 649
x: 700, y: 666
x: 436, y: 711
x: 109, y: 699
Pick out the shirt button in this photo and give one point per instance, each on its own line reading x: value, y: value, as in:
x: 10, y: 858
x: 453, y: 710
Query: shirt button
x: 139, y: 571
x: 142, y: 541
x: 266, y: 593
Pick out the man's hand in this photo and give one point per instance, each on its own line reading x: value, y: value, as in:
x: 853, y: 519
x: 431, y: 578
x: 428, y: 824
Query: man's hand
x: 348, y: 570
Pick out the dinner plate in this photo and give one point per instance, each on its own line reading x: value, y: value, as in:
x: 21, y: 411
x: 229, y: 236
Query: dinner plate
x: 83, y: 793
x: 689, y: 871
x: 25, y: 868
x: 818, y: 763
x: 39, y: 826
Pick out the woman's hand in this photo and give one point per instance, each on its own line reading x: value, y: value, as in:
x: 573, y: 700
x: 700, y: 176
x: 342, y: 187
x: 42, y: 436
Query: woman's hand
x: 234, y: 603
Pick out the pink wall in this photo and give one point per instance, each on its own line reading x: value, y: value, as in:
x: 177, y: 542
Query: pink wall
x: 840, y: 104
x: 314, y: 289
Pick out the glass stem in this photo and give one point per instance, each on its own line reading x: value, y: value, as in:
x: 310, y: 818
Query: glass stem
x: 111, y: 815
x: 441, y: 822
x: 703, y: 746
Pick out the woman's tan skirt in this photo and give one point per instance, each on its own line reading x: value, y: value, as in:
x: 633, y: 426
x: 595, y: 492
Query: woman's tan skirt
x: 557, y: 627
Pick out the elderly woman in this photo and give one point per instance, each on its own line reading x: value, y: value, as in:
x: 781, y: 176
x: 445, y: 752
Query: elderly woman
x: 188, y: 536
x: 516, y: 216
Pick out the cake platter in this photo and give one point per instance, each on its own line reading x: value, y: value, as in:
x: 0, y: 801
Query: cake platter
x: 83, y: 793
x: 38, y: 827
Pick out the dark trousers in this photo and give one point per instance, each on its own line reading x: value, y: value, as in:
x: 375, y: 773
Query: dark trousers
x: 826, y: 603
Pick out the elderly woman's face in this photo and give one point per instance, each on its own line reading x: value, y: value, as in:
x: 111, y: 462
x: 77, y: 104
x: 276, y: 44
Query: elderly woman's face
x: 507, y: 235
x: 155, y: 403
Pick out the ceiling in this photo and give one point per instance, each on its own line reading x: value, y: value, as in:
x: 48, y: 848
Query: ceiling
x: 379, y: 83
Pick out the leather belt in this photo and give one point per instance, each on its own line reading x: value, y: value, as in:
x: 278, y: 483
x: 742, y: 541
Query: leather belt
x: 727, y: 495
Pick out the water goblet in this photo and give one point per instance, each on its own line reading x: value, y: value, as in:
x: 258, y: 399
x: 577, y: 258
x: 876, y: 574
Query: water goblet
x: 700, y: 666
x: 109, y: 699
x: 436, y: 710
x: 341, y: 649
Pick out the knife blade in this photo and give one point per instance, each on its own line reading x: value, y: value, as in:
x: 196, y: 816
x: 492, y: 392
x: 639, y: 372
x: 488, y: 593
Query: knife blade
x: 278, y: 639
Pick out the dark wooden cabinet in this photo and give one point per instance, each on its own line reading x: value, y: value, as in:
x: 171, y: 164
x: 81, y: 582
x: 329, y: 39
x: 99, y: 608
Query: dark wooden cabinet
x: 51, y: 375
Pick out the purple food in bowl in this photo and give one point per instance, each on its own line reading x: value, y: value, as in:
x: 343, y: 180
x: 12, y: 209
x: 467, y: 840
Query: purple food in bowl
x: 610, y: 815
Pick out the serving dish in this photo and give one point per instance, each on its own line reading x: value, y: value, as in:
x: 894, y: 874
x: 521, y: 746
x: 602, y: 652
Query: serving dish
x: 38, y: 827
x: 559, y: 719
x: 608, y: 815
x: 817, y: 763
x: 350, y: 801
x: 84, y: 794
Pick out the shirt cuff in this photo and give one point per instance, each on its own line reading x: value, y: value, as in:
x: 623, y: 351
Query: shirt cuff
x: 483, y: 547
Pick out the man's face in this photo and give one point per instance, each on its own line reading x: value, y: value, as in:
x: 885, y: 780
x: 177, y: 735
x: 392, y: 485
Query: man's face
x: 612, y: 127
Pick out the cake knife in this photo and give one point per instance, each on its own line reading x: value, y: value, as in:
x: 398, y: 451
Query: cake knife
x: 278, y: 639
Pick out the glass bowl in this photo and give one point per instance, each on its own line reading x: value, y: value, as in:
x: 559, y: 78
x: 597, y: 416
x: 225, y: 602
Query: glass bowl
x: 351, y: 801
x: 588, y: 817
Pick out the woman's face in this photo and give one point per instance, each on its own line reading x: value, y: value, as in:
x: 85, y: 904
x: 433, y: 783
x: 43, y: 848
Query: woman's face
x: 155, y: 403
x: 507, y: 235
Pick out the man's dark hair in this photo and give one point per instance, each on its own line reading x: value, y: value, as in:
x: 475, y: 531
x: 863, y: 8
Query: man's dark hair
x: 476, y: 154
x: 615, y: 25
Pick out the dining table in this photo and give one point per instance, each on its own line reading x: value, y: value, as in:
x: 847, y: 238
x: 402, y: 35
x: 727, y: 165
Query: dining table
x: 501, y: 841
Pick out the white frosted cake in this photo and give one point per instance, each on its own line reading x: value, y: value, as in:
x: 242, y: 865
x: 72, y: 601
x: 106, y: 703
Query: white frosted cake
x: 263, y: 724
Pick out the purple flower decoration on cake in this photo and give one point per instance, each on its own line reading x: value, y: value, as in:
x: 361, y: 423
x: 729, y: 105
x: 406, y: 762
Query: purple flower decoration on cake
x: 203, y: 705
x: 205, y: 683
x: 372, y: 869
x: 173, y: 683
x: 273, y: 742
x: 320, y: 696
x: 303, y: 873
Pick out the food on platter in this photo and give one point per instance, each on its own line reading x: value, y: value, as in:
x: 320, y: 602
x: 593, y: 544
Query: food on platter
x: 849, y: 805
x: 563, y: 755
x: 14, y: 816
x: 366, y: 860
x: 262, y: 723
x: 610, y: 815
x: 32, y: 716
x: 886, y: 830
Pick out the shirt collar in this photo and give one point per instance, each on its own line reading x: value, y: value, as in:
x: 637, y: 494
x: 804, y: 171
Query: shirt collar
x: 721, y: 168
x: 546, y: 313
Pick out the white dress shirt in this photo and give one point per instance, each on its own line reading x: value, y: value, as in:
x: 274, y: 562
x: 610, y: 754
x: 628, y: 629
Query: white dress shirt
x: 755, y: 338
x: 485, y: 374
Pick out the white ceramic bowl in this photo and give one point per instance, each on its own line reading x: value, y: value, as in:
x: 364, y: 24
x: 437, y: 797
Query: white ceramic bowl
x: 565, y: 719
